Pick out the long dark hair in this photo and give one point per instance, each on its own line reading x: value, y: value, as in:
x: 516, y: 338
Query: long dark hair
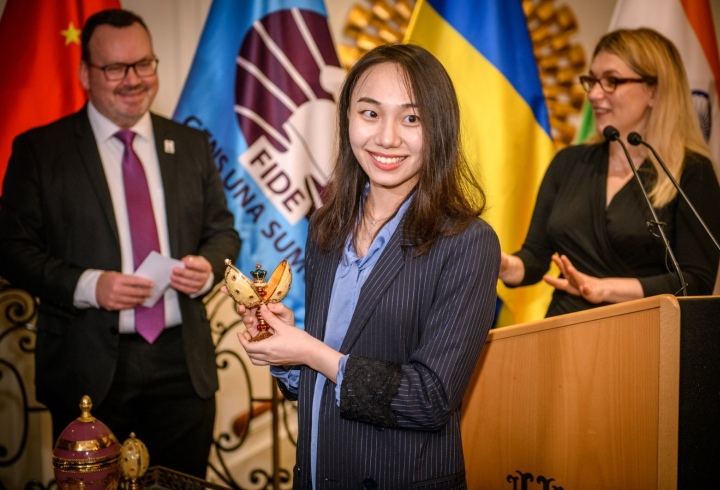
x: 447, y: 196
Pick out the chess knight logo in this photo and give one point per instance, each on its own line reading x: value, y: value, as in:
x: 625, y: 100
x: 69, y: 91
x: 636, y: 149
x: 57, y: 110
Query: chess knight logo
x: 287, y: 80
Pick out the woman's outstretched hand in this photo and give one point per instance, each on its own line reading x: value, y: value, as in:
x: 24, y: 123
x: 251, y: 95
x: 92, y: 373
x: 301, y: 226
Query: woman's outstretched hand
x: 594, y: 289
x: 575, y: 282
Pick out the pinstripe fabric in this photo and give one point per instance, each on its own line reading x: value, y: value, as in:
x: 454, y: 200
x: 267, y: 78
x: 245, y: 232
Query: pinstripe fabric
x: 430, y: 313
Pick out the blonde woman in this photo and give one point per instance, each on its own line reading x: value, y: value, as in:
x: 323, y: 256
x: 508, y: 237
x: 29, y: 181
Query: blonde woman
x: 591, y: 218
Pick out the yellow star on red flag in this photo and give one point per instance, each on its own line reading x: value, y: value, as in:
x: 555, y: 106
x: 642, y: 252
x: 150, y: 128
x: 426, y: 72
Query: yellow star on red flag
x: 45, y: 46
x: 71, y: 34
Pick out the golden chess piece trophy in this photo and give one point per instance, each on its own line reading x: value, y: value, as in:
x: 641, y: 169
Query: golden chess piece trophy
x: 256, y: 292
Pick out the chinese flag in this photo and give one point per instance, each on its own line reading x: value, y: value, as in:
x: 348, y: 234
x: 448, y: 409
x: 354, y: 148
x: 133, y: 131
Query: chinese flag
x: 40, y: 60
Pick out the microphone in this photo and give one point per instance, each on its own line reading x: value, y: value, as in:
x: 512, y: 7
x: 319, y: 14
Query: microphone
x: 635, y: 139
x: 612, y: 134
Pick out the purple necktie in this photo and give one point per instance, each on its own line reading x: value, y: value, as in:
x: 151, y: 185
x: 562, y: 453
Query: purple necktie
x: 149, y: 322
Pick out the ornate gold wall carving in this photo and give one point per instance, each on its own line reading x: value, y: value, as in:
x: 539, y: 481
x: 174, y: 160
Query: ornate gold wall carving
x: 560, y: 61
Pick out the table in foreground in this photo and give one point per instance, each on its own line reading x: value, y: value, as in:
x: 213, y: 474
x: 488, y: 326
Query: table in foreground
x: 161, y: 478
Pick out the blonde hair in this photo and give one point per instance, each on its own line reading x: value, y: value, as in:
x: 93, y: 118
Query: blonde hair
x: 673, y: 125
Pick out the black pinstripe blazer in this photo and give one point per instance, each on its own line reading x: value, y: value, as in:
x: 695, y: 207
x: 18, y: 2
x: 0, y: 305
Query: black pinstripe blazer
x: 414, y: 340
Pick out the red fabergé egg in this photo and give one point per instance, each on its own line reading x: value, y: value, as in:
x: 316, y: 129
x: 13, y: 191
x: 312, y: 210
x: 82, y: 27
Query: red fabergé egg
x: 87, y: 454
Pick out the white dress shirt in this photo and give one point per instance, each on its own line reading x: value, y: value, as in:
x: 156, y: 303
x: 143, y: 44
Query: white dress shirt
x: 111, y: 151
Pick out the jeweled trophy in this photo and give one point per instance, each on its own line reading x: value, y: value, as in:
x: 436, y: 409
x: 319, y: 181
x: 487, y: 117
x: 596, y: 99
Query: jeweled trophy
x: 87, y: 454
x: 256, y: 292
x: 134, y: 461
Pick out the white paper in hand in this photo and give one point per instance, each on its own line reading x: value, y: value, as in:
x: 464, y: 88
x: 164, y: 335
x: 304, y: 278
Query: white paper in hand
x: 158, y: 269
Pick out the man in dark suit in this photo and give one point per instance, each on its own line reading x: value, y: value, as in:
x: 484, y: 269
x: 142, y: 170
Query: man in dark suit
x: 73, y: 218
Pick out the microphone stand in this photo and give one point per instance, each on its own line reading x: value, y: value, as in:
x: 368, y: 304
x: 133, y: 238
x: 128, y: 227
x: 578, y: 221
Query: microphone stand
x: 612, y: 134
x: 635, y: 139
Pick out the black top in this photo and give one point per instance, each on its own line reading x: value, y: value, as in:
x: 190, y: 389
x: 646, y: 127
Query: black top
x: 571, y: 218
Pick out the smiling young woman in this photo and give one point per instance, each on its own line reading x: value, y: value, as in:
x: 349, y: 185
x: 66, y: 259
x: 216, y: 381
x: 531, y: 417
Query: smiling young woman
x: 400, y: 281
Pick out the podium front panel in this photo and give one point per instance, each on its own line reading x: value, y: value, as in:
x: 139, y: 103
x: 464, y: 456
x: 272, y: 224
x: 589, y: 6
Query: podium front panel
x: 581, y: 401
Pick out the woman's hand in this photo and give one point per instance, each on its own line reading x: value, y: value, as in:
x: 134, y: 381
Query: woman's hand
x: 285, y: 347
x: 289, y: 345
x: 250, y: 318
x: 575, y: 282
x: 595, y: 290
x: 512, y: 269
x: 249, y: 315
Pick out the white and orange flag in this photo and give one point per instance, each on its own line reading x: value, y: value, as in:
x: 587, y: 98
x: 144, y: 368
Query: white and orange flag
x: 689, y: 25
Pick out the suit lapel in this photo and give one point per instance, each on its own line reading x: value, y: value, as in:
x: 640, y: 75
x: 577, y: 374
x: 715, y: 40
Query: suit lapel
x: 165, y: 147
x: 384, y: 272
x: 90, y: 157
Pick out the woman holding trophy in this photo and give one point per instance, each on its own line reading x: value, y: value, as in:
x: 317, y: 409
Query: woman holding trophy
x: 400, y: 288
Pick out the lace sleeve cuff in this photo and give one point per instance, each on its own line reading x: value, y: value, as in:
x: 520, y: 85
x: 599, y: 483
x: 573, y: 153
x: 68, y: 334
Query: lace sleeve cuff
x: 367, y: 390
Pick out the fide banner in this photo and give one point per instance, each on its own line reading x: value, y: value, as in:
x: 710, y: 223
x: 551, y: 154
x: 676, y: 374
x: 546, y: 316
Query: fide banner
x: 263, y: 86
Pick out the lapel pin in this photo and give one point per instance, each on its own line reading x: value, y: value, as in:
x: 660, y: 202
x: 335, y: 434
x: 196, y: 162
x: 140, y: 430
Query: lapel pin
x: 170, y: 147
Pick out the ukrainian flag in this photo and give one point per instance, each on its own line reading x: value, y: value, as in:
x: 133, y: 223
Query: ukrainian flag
x: 485, y: 46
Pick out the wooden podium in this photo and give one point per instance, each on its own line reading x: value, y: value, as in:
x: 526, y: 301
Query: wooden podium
x: 619, y: 397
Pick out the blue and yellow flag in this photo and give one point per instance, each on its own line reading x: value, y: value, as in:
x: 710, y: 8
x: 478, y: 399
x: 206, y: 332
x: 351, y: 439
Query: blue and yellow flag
x: 485, y: 46
x: 263, y: 86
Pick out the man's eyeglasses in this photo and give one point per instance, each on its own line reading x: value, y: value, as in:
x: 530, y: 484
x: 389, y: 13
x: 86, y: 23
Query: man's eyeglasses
x: 118, y: 71
x: 608, y: 84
